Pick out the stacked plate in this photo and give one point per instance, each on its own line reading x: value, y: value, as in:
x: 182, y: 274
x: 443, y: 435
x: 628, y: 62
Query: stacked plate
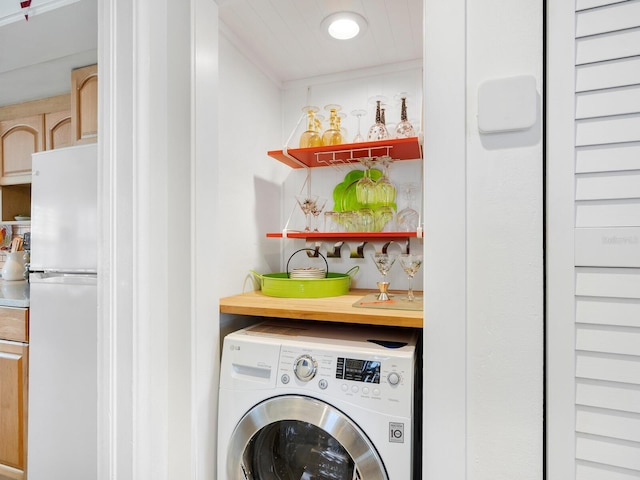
x: 308, y: 272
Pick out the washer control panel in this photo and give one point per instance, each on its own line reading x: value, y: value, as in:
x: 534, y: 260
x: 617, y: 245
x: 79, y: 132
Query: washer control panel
x: 384, y: 381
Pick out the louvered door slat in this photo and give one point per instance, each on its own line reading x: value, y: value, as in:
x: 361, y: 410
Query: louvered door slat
x: 611, y: 74
x: 618, y: 454
x: 608, y: 158
x: 610, y: 18
x: 609, y: 46
x: 613, y: 396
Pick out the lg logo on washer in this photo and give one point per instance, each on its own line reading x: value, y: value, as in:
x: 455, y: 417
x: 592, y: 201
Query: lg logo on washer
x: 396, y: 432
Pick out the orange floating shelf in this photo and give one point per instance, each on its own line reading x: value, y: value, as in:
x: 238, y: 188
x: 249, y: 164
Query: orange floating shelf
x: 397, y: 148
x: 353, y: 236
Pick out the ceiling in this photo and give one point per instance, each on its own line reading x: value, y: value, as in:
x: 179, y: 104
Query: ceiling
x: 283, y: 37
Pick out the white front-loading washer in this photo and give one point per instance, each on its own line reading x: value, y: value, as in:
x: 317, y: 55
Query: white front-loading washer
x: 311, y: 401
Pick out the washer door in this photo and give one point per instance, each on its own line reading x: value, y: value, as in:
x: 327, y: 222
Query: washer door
x: 300, y: 438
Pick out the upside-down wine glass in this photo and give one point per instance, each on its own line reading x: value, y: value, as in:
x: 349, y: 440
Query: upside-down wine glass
x: 310, y: 137
x: 410, y: 264
x: 332, y: 135
x: 343, y: 131
x: 404, y: 128
x: 378, y: 130
x: 359, y: 114
x: 384, y: 262
x: 407, y: 219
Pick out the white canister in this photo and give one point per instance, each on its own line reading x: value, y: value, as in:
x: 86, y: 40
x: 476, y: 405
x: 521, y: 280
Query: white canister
x: 13, y: 268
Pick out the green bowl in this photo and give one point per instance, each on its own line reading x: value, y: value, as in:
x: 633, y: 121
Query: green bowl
x: 280, y: 285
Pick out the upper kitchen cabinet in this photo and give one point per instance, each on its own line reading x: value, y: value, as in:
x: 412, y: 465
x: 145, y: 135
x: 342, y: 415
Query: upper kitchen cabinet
x: 19, y: 138
x: 57, y: 127
x: 29, y: 127
x: 84, y: 104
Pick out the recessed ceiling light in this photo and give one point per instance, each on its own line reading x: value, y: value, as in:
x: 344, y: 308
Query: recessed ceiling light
x: 343, y: 25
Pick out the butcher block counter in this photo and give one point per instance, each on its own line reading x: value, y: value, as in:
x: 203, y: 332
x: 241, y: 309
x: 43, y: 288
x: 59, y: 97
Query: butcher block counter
x: 329, y: 309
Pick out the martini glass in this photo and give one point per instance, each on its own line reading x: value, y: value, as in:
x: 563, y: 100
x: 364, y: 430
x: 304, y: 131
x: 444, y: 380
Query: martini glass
x: 358, y: 113
x: 316, y: 210
x: 410, y: 264
x: 307, y: 203
x: 384, y: 262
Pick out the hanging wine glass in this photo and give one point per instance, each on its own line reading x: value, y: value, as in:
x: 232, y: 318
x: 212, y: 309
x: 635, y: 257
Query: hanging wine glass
x: 310, y: 137
x: 410, y: 264
x: 407, y: 219
x: 307, y: 204
x: 378, y: 130
x: 384, y: 262
x: 404, y: 129
x: 385, y: 189
x: 358, y: 113
x: 366, y: 187
x: 316, y: 210
x: 332, y: 135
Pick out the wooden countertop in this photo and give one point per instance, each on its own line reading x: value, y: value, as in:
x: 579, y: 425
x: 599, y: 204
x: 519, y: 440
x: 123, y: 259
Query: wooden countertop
x: 330, y: 309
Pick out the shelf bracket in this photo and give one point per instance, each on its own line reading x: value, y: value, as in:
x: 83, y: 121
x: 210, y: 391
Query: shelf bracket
x: 336, y: 252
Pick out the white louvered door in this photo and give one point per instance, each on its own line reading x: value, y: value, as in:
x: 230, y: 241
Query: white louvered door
x: 593, y: 241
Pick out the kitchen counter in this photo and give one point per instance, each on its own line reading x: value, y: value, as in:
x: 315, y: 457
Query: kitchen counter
x: 329, y: 309
x: 14, y: 293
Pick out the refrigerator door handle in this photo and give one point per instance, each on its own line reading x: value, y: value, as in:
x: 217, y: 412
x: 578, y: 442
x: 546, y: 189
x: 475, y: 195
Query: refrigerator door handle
x: 63, y: 277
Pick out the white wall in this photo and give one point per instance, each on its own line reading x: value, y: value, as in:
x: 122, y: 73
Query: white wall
x: 250, y: 182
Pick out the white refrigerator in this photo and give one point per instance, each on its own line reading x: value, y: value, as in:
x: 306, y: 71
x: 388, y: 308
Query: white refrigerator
x: 62, y: 415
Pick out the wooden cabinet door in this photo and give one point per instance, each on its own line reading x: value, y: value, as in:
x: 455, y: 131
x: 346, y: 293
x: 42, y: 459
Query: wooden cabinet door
x: 19, y: 138
x: 84, y: 104
x: 57, y: 128
x: 13, y: 414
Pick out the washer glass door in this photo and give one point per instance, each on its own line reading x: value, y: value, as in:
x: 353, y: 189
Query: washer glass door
x: 301, y: 438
